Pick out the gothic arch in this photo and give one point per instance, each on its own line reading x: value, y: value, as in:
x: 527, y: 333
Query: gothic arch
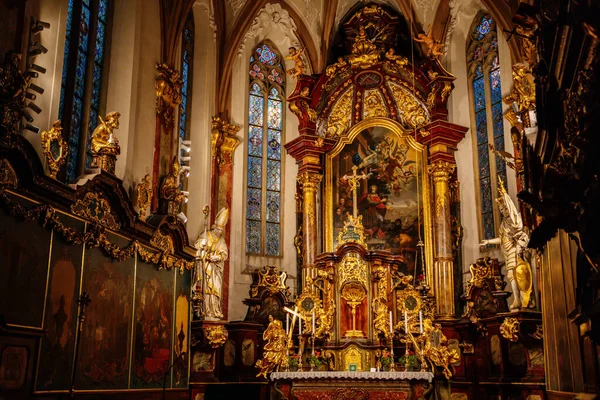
x: 242, y: 25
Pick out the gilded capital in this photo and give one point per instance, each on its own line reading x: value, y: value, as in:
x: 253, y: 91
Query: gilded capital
x: 224, y: 140
x: 309, y: 180
x: 168, y: 93
x: 441, y: 170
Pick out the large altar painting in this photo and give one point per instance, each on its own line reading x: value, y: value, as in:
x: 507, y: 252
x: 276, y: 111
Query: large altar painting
x: 388, y: 194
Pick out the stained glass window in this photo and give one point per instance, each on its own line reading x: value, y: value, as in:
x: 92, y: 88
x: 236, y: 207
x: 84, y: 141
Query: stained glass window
x: 185, y: 107
x: 484, y: 65
x: 81, y: 90
x: 265, y: 132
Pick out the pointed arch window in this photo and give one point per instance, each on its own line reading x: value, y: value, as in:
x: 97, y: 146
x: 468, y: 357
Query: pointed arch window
x: 82, y: 78
x: 265, y: 136
x: 487, y: 119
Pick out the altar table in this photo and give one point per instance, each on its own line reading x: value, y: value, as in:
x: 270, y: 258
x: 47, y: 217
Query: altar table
x: 345, y: 385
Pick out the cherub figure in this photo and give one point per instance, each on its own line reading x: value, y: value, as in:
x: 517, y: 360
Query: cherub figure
x: 434, y: 48
x: 400, y: 60
x: 296, y: 56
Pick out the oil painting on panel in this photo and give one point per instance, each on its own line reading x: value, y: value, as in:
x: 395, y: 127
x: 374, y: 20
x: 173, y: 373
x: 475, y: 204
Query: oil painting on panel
x: 24, y: 252
x: 106, y: 333
x: 387, y: 195
x: 56, y: 355
x: 182, y: 331
x: 153, y: 326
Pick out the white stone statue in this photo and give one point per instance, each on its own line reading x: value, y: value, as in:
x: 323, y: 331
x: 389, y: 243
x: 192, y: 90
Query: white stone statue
x: 513, y: 240
x: 211, y: 255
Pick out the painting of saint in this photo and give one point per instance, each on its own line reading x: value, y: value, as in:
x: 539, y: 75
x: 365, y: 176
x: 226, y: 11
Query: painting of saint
x: 56, y: 355
x: 388, y: 194
x: 103, y: 352
x: 153, y: 326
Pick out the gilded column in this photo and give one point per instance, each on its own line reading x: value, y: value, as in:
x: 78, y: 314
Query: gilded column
x: 310, y: 182
x: 443, y: 262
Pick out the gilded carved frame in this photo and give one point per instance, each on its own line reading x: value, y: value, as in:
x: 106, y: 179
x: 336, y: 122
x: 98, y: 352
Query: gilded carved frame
x: 421, y: 150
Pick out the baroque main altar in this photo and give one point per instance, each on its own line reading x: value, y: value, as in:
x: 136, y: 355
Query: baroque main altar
x: 376, y: 176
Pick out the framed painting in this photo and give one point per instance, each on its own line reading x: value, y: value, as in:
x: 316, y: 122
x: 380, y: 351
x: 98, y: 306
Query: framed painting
x: 392, y: 194
x: 104, y: 346
x: 153, y: 326
x: 60, y: 322
x: 24, y: 256
x: 181, y: 342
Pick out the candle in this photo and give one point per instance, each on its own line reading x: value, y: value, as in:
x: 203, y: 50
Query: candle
x: 287, y: 323
x: 313, y: 323
x: 391, y: 325
x: 420, y: 321
x: 406, y: 322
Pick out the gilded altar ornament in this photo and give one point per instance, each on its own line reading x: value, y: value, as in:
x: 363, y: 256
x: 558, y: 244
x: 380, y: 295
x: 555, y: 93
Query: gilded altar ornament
x: 332, y: 69
x: 216, y: 335
x: 296, y: 57
x: 13, y: 85
x: 513, y: 241
x: 211, y: 255
x: 374, y: 105
x: 55, y: 148
x: 412, y: 112
x: 8, y: 176
x: 436, y: 349
x: 354, y: 294
x: 105, y: 146
x: 480, y: 272
x: 539, y: 332
x: 434, y: 48
x: 510, y: 329
x: 391, y: 55
x: 96, y: 208
x: 168, y: 93
x: 170, y: 192
x: 341, y: 115
x: 274, y: 280
x: 224, y: 140
x: 162, y: 242
x: 275, y: 351
x: 364, y: 52
x: 522, y: 97
x: 144, y: 196
x: 352, y: 269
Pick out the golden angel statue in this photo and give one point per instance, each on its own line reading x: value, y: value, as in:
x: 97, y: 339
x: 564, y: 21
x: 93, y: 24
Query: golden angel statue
x: 275, y: 351
x: 434, y: 48
x: 523, y: 88
x: 393, y: 57
x: 211, y: 255
x: 296, y: 56
x: 513, y: 240
x: 103, y: 139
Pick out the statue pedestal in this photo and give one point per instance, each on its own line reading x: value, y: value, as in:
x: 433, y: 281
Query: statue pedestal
x: 106, y: 162
x: 207, y: 340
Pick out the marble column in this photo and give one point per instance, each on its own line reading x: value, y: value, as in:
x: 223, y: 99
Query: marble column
x: 443, y: 262
x: 310, y: 183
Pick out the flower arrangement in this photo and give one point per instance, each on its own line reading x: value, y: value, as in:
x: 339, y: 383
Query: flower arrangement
x: 293, y: 361
x: 317, y: 359
x: 386, y: 359
x: 411, y: 361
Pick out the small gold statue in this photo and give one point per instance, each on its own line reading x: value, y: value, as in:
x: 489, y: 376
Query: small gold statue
x: 103, y: 139
x: 169, y: 189
x: 144, y: 196
x: 333, y: 68
x: 523, y: 92
x: 436, y: 347
x: 296, y: 56
x: 434, y: 48
x: 275, y: 351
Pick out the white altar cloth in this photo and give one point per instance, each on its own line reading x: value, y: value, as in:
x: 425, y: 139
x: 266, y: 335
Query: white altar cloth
x: 385, y: 375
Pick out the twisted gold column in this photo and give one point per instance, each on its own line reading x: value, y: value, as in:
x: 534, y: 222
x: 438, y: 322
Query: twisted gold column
x: 309, y: 181
x: 443, y: 264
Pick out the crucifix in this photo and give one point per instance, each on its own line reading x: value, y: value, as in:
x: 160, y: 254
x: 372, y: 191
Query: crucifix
x: 353, y: 180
